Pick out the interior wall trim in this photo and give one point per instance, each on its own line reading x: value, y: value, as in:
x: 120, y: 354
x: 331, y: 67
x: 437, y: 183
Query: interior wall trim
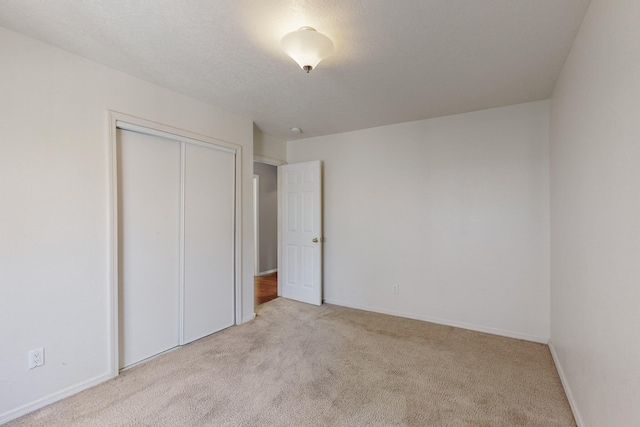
x: 469, y: 326
x: 118, y: 120
x: 249, y: 318
x: 565, y: 385
x: 268, y: 160
x: 53, y: 397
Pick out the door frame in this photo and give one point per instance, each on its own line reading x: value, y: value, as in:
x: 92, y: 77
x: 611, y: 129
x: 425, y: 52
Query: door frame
x: 256, y: 224
x: 159, y: 129
x: 276, y: 163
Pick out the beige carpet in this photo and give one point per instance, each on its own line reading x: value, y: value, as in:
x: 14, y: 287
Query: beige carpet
x: 300, y: 365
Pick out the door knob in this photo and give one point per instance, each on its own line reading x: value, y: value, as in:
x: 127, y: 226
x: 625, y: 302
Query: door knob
x: 315, y: 240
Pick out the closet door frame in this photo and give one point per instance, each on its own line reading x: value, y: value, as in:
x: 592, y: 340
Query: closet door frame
x: 128, y: 122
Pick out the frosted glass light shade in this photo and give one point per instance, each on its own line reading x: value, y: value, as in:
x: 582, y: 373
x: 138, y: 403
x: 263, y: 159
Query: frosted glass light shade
x: 307, y: 47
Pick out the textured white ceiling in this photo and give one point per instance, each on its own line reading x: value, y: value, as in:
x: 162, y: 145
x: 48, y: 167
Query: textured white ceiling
x: 395, y: 61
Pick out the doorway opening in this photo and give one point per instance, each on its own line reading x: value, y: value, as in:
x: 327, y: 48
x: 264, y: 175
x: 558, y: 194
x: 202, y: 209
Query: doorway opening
x: 266, y: 223
x: 265, y: 288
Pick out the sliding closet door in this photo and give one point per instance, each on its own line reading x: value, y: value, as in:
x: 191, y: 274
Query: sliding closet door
x: 209, y: 200
x: 149, y: 242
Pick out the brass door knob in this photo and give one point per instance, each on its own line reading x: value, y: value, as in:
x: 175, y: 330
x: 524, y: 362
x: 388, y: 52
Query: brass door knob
x: 315, y: 240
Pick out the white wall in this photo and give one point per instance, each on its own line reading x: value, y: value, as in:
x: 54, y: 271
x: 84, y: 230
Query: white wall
x: 269, y: 147
x: 54, y: 206
x: 268, y: 227
x: 455, y: 210
x: 595, y: 217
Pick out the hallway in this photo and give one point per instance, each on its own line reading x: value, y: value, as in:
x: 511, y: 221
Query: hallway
x: 265, y: 288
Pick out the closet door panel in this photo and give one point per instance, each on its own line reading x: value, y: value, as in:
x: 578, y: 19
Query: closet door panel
x: 149, y: 255
x: 209, y: 199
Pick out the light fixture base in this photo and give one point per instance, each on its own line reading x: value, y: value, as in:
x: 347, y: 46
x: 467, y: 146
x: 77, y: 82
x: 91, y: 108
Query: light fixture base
x: 307, y: 68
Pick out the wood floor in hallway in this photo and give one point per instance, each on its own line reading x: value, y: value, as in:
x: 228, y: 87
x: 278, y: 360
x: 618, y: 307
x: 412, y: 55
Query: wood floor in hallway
x: 265, y: 288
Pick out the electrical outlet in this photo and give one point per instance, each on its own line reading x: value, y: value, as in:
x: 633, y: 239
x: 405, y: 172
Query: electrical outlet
x: 36, y: 357
x: 395, y: 289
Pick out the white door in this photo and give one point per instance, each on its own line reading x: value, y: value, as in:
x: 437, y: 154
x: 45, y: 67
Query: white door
x: 300, y: 275
x: 176, y: 240
x: 209, y: 200
x: 149, y: 220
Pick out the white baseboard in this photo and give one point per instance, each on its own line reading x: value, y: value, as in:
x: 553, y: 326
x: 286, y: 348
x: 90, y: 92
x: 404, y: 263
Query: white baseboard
x: 264, y: 273
x: 565, y: 385
x: 248, y: 318
x: 54, y: 397
x: 487, y: 330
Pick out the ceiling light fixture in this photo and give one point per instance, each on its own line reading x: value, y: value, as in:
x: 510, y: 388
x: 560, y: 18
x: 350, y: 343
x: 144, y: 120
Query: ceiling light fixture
x: 307, y: 47
x: 296, y: 130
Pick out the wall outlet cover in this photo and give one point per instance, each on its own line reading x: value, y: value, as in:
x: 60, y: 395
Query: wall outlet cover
x: 36, y: 357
